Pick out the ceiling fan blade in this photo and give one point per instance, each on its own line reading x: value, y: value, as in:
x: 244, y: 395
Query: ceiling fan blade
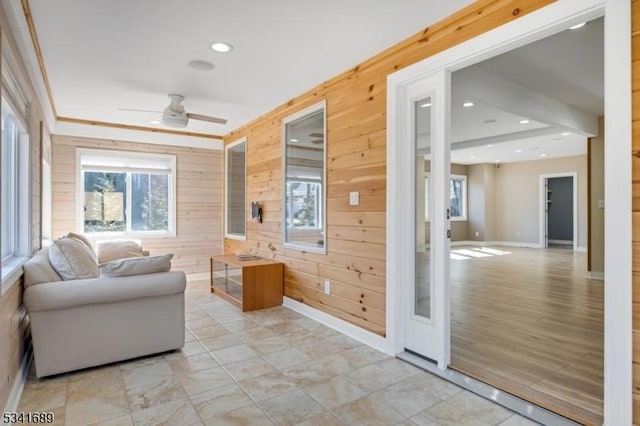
x: 207, y: 118
x: 138, y: 110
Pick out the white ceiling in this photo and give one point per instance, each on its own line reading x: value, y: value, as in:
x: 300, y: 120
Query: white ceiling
x: 103, y: 55
x: 549, y: 82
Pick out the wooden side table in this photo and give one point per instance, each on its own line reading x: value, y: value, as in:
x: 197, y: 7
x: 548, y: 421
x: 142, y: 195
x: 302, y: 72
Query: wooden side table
x: 248, y: 284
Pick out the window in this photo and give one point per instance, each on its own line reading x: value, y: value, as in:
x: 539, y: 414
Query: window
x: 125, y: 192
x: 236, y: 196
x: 303, y: 207
x: 458, y: 197
x: 10, y: 179
x: 15, y: 237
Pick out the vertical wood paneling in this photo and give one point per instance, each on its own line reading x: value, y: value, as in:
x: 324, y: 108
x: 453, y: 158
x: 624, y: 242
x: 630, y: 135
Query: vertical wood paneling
x: 199, y: 174
x: 14, y: 323
x: 355, y: 262
x: 635, y: 99
x: 14, y: 337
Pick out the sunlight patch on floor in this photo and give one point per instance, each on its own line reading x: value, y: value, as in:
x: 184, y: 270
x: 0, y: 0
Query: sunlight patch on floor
x: 469, y: 253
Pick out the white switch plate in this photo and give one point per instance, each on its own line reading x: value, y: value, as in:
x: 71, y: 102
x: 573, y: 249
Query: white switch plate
x: 354, y: 198
x: 601, y: 204
x: 327, y: 287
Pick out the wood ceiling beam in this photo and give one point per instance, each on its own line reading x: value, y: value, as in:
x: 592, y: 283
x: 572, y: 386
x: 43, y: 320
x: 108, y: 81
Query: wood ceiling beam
x: 137, y: 128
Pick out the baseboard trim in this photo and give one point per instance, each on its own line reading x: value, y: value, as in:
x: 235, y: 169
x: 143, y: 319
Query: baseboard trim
x: 19, y: 382
x: 596, y: 275
x: 368, y: 338
x: 565, y: 242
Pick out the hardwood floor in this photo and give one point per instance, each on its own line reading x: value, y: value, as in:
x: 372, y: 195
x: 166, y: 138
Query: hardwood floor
x: 530, y: 322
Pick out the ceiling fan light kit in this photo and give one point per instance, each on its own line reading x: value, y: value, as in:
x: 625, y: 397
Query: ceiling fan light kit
x: 174, y: 115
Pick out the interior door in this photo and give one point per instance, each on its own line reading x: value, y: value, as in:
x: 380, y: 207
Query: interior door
x: 427, y: 302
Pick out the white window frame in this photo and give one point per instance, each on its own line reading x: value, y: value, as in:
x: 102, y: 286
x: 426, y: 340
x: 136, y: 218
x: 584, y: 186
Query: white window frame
x: 320, y: 106
x: 318, y: 207
x: 21, y: 188
x: 227, y: 149
x: 131, y: 155
x: 462, y: 178
x: 462, y: 217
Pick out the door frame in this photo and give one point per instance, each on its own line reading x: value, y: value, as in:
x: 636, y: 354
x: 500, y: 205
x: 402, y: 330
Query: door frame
x: 618, y: 218
x: 543, y: 207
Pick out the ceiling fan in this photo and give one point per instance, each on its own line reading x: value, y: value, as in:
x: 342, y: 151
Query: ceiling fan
x: 174, y: 114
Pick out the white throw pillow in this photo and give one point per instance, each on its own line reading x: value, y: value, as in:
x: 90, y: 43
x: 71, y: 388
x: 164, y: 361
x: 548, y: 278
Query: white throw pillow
x: 136, y: 266
x: 72, y: 259
x: 118, y: 249
x: 83, y: 239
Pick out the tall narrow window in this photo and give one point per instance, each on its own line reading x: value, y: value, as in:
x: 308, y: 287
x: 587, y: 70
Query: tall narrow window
x: 304, y: 180
x: 457, y: 196
x: 126, y: 192
x: 10, y: 179
x: 236, y: 183
x: 15, y: 194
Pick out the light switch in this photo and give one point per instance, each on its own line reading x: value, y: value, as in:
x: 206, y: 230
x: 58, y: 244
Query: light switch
x: 354, y: 198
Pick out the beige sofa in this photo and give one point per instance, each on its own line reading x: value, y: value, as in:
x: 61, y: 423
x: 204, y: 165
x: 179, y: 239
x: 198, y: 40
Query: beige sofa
x: 88, y: 322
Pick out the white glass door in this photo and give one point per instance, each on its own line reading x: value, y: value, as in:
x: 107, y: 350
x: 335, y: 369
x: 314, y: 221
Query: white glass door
x: 427, y: 302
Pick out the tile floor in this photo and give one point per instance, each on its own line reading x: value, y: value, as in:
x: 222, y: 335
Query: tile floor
x: 259, y: 368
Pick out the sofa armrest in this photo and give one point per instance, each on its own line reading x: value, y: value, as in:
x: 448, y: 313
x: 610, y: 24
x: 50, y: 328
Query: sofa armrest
x: 68, y: 294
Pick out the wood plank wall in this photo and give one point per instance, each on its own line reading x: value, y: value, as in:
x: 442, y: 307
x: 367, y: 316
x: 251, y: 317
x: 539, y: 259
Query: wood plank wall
x: 199, y: 198
x: 635, y: 99
x: 356, y: 135
x: 15, y: 335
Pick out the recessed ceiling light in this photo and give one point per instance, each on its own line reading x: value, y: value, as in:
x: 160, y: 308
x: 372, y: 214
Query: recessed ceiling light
x: 543, y: 155
x: 525, y: 121
x: 293, y: 140
x: 155, y: 122
x: 221, y: 47
x: 518, y: 150
x: 468, y: 104
x: 489, y: 146
x: 472, y: 157
x: 425, y: 105
x: 489, y: 121
x: 580, y: 25
x: 565, y: 133
x: 200, y: 65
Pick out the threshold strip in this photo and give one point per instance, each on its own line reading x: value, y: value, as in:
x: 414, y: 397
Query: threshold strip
x: 500, y: 397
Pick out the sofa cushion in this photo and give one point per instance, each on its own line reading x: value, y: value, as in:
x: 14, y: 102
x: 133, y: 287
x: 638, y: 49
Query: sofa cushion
x: 38, y: 269
x: 118, y: 249
x: 136, y: 266
x: 72, y: 259
x: 82, y: 238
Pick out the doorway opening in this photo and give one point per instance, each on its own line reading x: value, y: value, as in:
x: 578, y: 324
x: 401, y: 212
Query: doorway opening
x: 559, y: 195
x: 402, y: 187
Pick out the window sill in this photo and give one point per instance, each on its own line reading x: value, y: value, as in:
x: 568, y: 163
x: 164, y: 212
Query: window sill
x: 236, y: 237
x: 11, y: 273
